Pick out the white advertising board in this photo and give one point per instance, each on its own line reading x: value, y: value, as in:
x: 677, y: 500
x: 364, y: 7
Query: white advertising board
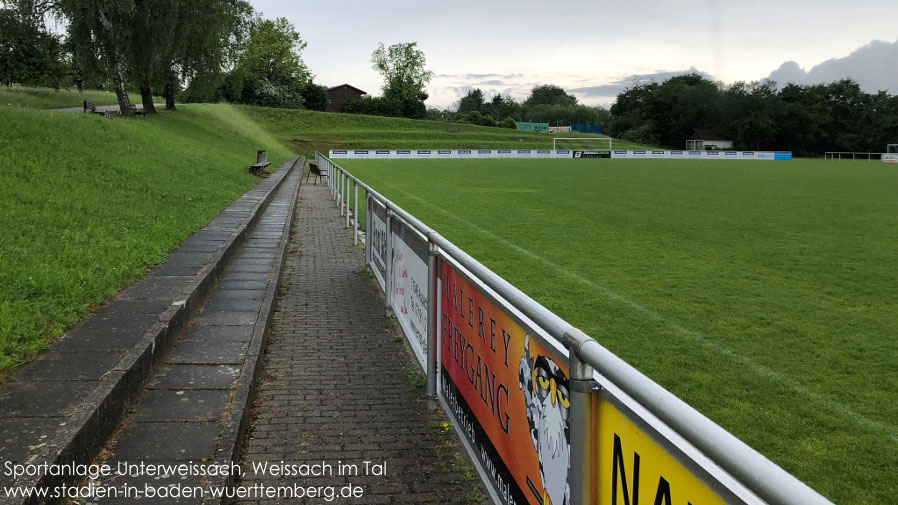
x: 379, y: 253
x: 434, y: 154
x: 409, y: 283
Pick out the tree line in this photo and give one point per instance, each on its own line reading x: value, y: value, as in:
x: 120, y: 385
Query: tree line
x: 805, y: 119
x: 195, y: 50
x: 546, y: 104
x: 212, y: 50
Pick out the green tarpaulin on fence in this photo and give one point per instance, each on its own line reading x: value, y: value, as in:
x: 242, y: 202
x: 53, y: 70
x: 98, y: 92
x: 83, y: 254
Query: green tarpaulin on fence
x: 533, y: 127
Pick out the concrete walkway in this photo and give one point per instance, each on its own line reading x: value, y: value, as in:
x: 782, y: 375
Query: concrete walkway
x: 340, y: 387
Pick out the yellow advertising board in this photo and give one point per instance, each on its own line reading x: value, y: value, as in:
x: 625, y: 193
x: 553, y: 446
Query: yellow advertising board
x: 632, y: 468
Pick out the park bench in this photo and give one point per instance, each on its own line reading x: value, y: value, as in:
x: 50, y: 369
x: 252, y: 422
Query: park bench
x: 259, y: 169
x: 452, y: 129
x: 90, y: 107
x: 137, y: 112
x: 261, y: 164
x: 317, y: 172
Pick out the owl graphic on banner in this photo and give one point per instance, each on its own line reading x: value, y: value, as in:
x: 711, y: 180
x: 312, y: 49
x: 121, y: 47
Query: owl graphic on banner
x: 547, y: 402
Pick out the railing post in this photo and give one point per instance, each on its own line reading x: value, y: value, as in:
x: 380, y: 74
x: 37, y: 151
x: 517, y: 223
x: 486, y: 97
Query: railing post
x: 355, y: 216
x: 432, y: 321
x: 581, y: 429
x: 367, y: 230
x: 348, y: 197
x: 388, y: 274
x: 342, y: 192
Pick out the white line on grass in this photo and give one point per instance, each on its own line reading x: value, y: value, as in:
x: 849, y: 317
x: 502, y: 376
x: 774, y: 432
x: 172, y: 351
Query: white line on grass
x: 704, y: 340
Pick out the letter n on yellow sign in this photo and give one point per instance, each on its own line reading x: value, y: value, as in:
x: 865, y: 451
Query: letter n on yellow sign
x: 633, y: 468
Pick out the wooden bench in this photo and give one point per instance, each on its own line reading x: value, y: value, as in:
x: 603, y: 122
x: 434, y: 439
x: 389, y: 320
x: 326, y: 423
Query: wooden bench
x: 452, y: 129
x: 137, y: 112
x: 90, y: 107
x: 259, y: 169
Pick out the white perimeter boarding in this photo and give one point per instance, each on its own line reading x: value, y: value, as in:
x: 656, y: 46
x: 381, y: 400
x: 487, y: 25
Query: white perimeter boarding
x: 420, y: 154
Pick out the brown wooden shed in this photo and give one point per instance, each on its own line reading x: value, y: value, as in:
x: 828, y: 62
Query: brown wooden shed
x: 339, y: 94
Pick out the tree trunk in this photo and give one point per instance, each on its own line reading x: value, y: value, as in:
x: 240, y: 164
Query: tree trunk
x: 169, y: 94
x: 115, y: 58
x: 118, y: 82
x: 146, y: 96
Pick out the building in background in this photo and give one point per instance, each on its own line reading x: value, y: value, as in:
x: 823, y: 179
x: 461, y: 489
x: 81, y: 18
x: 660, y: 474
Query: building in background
x: 339, y: 94
x: 706, y: 140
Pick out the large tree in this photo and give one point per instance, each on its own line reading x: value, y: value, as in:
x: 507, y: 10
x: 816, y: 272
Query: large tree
x: 28, y: 54
x: 270, y: 70
x: 405, y: 76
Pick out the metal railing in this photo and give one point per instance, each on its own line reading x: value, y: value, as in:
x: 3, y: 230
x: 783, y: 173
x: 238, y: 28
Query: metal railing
x: 735, y: 471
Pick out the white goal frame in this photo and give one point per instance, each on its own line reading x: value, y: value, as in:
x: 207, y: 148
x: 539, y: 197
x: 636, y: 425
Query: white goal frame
x: 582, y: 138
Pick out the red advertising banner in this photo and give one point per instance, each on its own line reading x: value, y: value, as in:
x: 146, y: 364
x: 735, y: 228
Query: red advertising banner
x: 508, y: 393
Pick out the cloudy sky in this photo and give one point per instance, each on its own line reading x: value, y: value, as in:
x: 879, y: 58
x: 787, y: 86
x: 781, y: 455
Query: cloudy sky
x: 594, y: 48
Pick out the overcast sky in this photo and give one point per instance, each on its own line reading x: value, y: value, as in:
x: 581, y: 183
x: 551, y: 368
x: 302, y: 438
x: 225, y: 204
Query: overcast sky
x: 590, y: 47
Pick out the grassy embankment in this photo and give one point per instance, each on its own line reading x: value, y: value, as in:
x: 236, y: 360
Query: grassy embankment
x: 87, y: 204
x: 764, y: 294
x: 307, y: 131
x: 46, y: 98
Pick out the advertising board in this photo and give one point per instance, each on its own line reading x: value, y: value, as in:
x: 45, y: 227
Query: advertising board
x: 507, y: 394
x: 409, y: 287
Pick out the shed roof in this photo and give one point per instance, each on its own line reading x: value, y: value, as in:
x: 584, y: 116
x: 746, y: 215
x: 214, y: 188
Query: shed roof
x: 348, y: 86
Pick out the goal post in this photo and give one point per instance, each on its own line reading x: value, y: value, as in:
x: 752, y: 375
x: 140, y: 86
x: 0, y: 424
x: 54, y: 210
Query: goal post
x: 582, y: 143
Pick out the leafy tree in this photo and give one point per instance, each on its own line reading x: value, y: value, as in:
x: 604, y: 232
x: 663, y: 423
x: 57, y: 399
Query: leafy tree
x: 103, y: 24
x: 315, y: 97
x: 549, y: 94
x: 28, y: 55
x: 270, y: 71
x: 505, y: 107
x: 405, y: 76
x: 472, y: 101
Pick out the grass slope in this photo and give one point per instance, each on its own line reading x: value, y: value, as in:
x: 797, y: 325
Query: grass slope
x: 87, y: 204
x: 308, y: 131
x: 765, y: 294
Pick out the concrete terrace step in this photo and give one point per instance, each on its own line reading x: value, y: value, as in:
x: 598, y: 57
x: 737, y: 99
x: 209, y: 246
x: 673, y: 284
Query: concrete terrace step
x: 63, y: 407
x: 193, y: 410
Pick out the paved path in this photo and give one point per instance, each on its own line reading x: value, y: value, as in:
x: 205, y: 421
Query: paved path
x: 113, y: 108
x: 340, y: 385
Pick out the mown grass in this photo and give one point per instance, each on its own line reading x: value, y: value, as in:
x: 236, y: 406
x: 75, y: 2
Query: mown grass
x: 87, y: 204
x: 308, y: 131
x: 765, y: 294
x: 46, y: 98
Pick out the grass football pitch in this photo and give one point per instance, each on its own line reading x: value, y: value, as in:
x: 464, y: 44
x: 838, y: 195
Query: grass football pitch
x: 765, y: 294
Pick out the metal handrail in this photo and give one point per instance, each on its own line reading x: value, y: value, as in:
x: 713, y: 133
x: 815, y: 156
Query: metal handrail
x: 758, y: 474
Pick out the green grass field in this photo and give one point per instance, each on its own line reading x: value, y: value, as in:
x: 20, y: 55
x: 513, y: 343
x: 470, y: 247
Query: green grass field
x: 87, y: 204
x: 765, y: 294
